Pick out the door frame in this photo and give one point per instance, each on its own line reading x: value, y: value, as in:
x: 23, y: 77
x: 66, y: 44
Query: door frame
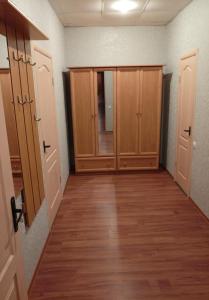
x: 192, y: 53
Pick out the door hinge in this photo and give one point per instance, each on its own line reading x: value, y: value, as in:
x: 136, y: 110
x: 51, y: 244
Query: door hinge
x: 53, y: 81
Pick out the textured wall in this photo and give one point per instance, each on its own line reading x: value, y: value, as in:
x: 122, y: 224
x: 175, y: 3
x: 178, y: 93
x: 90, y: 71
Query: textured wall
x: 41, y: 13
x: 112, y: 46
x: 189, y: 31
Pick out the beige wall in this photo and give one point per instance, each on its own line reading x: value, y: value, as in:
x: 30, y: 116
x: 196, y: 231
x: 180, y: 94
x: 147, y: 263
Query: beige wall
x: 113, y: 46
x: 189, y: 31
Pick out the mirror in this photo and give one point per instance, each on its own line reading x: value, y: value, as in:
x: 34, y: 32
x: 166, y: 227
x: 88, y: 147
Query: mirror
x: 105, y: 112
x: 9, y: 111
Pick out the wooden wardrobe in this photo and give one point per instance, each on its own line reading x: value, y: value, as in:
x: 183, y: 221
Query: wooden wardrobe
x: 136, y: 118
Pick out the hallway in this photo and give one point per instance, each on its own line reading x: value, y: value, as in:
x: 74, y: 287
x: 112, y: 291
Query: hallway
x: 125, y: 237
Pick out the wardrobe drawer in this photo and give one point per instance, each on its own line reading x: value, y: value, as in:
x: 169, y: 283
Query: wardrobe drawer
x: 138, y: 163
x: 95, y: 164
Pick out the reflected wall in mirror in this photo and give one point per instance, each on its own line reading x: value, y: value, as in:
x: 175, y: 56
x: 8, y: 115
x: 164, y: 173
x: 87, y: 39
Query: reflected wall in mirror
x: 6, y: 87
x: 105, y: 112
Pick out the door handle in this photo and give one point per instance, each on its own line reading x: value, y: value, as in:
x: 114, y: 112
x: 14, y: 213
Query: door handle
x: 15, y: 212
x: 189, y: 131
x: 46, y: 146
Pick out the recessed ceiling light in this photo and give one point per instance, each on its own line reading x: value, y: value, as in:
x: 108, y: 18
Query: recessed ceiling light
x: 124, y: 6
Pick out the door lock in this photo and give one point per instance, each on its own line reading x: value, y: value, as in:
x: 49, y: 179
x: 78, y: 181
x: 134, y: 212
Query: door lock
x: 15, y: 213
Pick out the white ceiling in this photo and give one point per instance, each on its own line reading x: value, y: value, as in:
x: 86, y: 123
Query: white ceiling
x: 100, y: 12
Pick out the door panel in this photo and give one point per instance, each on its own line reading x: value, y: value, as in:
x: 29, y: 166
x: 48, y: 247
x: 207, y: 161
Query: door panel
x: 83, y: 112
x: 150, y: 109
x: 11, y: 267
x: 46, y: 103
x: 28, y: 121
x: 185, y: 120
x: 19, y: 113
x: 127, y: 111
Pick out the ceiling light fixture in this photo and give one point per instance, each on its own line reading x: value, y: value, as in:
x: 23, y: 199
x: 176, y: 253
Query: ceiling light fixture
x: 124, y: 6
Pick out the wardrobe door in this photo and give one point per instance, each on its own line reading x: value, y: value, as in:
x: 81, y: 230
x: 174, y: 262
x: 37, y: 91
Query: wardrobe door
x: 83, y: 112
x: 150, y: 111
x: 127, y: 111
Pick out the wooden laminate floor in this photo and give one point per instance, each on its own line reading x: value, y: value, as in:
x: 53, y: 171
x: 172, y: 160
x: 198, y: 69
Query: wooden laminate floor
x: 125, y: 237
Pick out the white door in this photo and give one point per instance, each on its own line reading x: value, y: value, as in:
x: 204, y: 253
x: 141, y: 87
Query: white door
x: 11, y: 266
x: 187, y: 83
x: 46, y: 106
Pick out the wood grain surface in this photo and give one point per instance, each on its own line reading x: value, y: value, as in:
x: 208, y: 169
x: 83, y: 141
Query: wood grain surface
x: 125, y: 237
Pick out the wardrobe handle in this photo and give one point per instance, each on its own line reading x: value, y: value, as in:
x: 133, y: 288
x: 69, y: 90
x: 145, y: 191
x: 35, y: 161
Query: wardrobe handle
x: 189, y: 131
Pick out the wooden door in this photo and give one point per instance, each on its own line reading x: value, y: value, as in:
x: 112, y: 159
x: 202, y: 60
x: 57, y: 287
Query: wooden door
x: 187, y: 84
x: 35, y: 120
x: 12, y: 284
x: 82, y: 91
x: 127, y: 111
x: 46, y: 103
x: 150, y: 111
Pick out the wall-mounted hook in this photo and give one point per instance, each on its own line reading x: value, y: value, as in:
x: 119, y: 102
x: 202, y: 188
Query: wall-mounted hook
x: 22, y: 102
x: 24, y: 61
x: 16, y: 59
x: 30, y: 63
x: 37, y: 119
x: 28, y: 100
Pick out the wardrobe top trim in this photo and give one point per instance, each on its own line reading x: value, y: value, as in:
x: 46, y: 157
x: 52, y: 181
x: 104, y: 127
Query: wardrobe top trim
x: 12, y: 16
x: 116, y: 67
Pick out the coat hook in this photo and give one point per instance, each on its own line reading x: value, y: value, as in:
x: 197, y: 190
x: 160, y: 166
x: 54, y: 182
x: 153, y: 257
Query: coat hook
x: 30, y: 63
x: 37, y: 119
x: 24, y: 61
x: 28, y: 100
x: 22, y: 102
x: 16, y: 59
